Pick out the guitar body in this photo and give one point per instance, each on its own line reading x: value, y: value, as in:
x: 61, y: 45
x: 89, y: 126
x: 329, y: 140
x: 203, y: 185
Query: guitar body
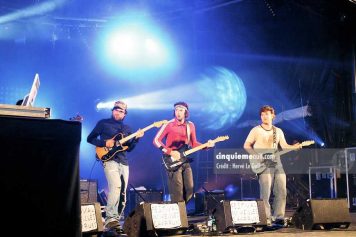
x: 107, y: 153
x: 172, y: 165
x: 264, y: 161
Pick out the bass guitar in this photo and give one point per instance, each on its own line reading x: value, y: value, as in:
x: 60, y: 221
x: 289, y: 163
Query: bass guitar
x: 107, y: 153
x: 261, y: 161
x: 172, y: 165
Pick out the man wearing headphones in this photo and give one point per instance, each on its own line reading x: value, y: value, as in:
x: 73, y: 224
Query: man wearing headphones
x: 116, y: 169
x: 267, y: 137
x: 178, y: 133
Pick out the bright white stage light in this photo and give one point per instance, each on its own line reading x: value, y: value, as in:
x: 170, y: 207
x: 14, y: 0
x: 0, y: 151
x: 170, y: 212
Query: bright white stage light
x: 135, y: 48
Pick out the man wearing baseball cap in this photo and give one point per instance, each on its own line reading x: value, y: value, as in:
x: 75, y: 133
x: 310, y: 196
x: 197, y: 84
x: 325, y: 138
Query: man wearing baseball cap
x: 116, y: 169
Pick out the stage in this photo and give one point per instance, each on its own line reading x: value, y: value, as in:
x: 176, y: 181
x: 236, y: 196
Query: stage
x: 288, y: 231
x: 224, y: 60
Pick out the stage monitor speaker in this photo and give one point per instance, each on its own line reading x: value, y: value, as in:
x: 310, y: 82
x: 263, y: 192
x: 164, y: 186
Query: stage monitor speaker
x: 88, y: 190
x: 234, y: 214
x: 322, y: 214
x: 138, y: 196
x: 152, y: 219
x: 91, y: 219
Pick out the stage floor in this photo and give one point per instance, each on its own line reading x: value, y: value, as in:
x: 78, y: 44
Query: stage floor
x: 292, y: 231
x: 283, y: 232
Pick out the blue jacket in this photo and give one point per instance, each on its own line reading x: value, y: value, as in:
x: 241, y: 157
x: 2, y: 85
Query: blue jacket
x: 106, y: 129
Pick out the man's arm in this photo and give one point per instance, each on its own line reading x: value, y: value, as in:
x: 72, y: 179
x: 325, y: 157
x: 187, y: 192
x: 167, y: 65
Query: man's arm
x: 250, y: 140
x: 248, y: 146
x: 132, y: 143
x: 157, y: 141
x: 94, y: 137
x: 285, y: 145
x: 193, y: 137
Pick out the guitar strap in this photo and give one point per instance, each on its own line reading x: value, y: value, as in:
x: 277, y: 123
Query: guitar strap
x: 188, y: 133
x: 274, y: 138
x: 269, y: 162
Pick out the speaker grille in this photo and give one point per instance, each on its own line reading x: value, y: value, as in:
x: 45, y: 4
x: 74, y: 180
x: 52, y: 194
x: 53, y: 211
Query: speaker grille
x: 139, y: 222
x: 327, y: 213
x: 224, y: 217
x: 330, y: 211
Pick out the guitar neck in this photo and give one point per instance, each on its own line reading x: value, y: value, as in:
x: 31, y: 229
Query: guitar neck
x: 303, y: 144
x: 190, y: 151
x: 286, y: 151
x: 125, y: 139
x: 279, y: 153
x: 218, y: 139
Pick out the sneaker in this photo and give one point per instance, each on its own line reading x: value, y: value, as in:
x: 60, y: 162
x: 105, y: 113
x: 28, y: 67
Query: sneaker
x: 269, y: 222
x: 112, y: 225
x: 119, y: 230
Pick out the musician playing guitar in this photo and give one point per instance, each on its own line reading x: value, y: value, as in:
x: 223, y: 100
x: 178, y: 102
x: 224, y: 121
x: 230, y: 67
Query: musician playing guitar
x: 116, y: 169
x: 267, y: 137
x: 179, y: 134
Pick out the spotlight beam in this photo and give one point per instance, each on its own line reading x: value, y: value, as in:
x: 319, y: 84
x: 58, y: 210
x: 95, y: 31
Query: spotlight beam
x: 153, y: 100
x: 39, y: 9
x: 218, y: 98
x: 291, y: 114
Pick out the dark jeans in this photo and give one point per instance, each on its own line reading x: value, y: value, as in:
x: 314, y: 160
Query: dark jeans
x: 180, y: 183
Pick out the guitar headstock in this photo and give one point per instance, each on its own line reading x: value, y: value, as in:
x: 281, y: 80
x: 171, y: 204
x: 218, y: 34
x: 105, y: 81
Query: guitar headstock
x: 160, y: 123
x: 221, y: 138
x: 308, y: 143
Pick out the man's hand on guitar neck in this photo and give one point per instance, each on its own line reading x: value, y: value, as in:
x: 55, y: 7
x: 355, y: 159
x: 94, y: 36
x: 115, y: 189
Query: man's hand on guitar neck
x: 139, y: 134
x: 297, y: 146
x: 175, y: 155
x: 210, y: 144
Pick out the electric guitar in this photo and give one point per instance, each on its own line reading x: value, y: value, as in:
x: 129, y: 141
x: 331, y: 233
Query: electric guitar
x: 261, y: 161
x: 172, y: 165
x: 107, y: 153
